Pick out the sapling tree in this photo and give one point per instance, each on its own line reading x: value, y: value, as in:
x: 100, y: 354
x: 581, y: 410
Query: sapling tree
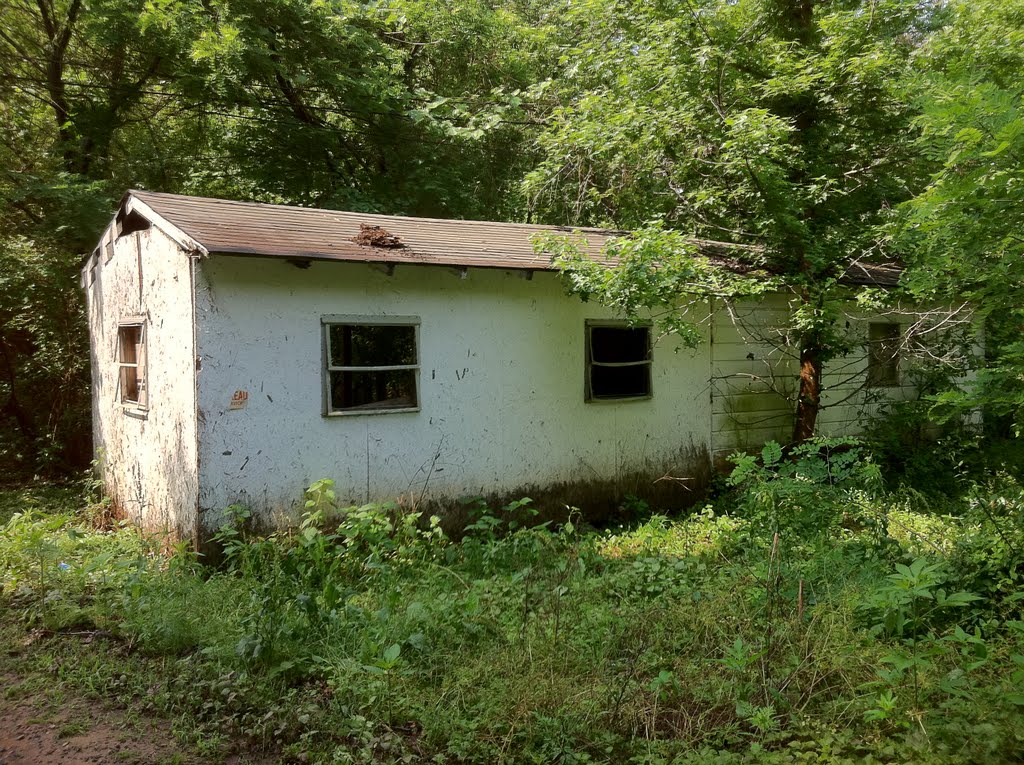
x: 778, y: 126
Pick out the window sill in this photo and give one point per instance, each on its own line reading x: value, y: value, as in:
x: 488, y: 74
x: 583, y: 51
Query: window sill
x: 363, y: 412
x: 136, y: 412
x: 622, y: 400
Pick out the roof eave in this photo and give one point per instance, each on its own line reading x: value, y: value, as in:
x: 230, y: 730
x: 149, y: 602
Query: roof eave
x: 378, y: 256
x: 132, y: 204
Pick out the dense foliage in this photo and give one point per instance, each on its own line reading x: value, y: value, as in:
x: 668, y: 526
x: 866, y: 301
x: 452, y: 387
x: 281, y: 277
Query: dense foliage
x: 407, y: 107
x: 783, y: 125
x: 828, y: 607
x: 963, y: 233
x: 808, y: 616
x: 791, y: 127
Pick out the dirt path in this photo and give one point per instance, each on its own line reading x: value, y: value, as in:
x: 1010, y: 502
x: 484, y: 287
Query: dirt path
x: 39, y: 727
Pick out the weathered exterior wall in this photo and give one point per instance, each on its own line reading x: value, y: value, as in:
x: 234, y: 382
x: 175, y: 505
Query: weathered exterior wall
x: 753, y: 375
x: 501, y: 386
x: 848, y: 404
x: 755, y: 378
x: 147, y: 460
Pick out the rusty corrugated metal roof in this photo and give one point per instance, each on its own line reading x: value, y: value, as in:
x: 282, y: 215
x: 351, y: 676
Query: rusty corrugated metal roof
x: 303, y: 233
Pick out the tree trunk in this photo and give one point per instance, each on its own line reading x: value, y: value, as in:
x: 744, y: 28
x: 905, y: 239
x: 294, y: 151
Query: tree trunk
x: 58, y: 36
x: 809, y: 400
x: 798, y: 17
x: 13, y: 407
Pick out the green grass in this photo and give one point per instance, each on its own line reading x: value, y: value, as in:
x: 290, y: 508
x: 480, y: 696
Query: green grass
x: 48, y: 497
x: 777, y: 626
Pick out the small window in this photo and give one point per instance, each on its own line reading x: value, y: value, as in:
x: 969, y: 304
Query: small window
x: 883, y: 355
x: 371, y: 367
x: 618, y: 361
x: 131, y: 359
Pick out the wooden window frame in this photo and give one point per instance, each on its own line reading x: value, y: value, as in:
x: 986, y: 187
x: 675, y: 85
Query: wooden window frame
x: 878, y: 374
x: 589, y: 363
x: 139, y: 405
x: 326, y: 322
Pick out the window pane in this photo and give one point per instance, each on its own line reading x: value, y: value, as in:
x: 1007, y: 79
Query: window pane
x: 883, y: 354
x: 128, y: 340
x: 373, y: 390
x: 130, y: 384
x: 372, y: 345
x: 611, y: 345
x: 620, y: 382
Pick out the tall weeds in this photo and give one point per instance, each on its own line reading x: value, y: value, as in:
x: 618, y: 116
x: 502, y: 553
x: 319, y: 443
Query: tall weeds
x: 807, y: 616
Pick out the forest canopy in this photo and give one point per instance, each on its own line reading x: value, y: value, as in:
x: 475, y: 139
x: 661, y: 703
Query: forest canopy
x: 817, y: 133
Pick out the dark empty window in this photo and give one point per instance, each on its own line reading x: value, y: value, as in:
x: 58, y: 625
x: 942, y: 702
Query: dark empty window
x: 370, y: 367
x: 883, y: 355
x: 618, y: 361
x: 131, y: 360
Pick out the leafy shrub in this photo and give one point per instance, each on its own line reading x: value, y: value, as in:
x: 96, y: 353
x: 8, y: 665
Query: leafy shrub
x: 811, y: 616
x: 914, y: 449
x: 804, y: 492
x: 988, y: 550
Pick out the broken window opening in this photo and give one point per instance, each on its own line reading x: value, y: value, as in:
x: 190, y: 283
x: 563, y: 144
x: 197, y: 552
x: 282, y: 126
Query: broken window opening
x: 131, y: 359
x: 618, y: 361
x: 130, y: 223
x: 371, y: 367
x: 883, y: 355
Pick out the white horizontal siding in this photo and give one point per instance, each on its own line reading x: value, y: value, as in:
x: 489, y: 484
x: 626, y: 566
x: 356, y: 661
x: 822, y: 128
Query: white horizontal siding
x: 755, y: 377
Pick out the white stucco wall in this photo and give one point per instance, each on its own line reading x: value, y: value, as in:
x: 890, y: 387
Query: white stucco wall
x: 147, y: 460
x: 501, y: 388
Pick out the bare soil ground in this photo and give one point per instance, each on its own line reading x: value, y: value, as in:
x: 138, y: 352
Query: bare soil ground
x: 42, y: 728
x: 46, y: 719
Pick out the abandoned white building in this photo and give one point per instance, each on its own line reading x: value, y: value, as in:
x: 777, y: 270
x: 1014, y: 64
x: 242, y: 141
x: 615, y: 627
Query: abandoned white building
x: 241, y: 351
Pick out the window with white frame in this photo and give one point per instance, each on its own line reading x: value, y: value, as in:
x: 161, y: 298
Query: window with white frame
x: 370, y: 364
x: 131, y: 359
x: 618, y: 361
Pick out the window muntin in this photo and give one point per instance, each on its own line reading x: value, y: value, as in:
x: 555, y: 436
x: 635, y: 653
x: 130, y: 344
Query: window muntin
x: 371, y: 365
x: 131, y: 359
x: 883, y: 355
x: 618, y: 361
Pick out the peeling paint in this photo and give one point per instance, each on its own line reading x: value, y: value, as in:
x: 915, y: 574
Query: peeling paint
x: 146, y: 459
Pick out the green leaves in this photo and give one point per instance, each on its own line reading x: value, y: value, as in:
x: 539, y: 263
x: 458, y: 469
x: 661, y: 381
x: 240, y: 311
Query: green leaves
x: 653, y: 271
x: 962, y: 231
x: 725, y: 133
x: 914, y: 600
x: 747, y: 122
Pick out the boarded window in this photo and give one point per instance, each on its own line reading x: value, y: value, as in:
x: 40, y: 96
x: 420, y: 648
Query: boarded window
x: 883, y: 355
x: 618, y: 361
x: 370, y: 366
x: 131, y: 358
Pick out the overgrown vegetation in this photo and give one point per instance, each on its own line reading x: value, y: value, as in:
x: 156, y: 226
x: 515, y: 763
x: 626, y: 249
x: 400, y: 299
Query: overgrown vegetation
x: 809, y: 615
